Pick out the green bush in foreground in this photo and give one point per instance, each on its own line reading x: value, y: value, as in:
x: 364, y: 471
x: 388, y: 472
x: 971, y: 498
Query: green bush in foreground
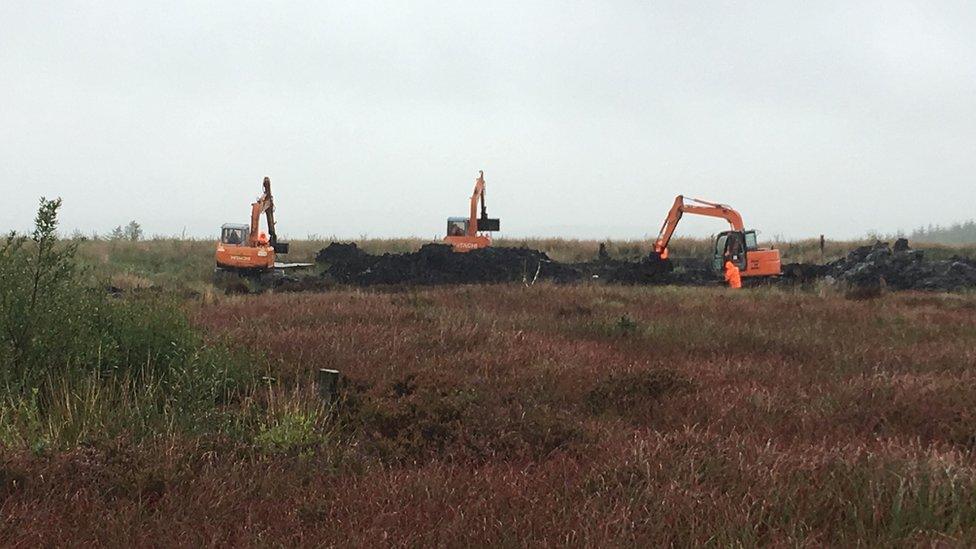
x: 77, y: 364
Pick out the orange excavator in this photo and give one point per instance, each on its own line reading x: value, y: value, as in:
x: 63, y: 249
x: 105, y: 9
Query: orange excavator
x: 737, y: 245
x: 244, y: 248
x: 472, y: 232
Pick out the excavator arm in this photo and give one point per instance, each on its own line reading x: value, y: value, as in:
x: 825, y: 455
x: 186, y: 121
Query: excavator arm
x: 478, y: 196
x: 697, y: 207
x: 264, y: 205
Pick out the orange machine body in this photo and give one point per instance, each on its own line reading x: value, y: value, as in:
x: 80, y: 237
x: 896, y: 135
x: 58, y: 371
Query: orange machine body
x: 245, y: 247
x: 243, y: 256
x: 472, y: 232
x: 763, y: 262
x: 737, y: 244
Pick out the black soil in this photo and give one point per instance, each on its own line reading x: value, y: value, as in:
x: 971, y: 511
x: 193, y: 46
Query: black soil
x: 877, y: 266
x: 899, y: 267
x: 436, y: 264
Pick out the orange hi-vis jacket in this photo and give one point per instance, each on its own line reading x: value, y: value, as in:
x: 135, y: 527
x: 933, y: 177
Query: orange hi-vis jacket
x: 732, y: 275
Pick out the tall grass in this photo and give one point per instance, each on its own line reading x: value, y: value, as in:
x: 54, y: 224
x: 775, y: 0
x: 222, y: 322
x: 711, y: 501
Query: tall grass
x: 509, y: 415
x: 77, y: 364
x: 188, y: 264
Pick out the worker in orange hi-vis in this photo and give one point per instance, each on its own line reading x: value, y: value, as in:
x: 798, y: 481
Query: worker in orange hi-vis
x: 732, y: 275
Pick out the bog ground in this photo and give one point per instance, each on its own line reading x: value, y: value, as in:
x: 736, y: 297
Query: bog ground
x: 503, y: 415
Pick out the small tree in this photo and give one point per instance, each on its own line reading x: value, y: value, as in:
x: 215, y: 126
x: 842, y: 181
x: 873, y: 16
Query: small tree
x: 39, y: 280
x: 117, y: 233
x: 133, y: 231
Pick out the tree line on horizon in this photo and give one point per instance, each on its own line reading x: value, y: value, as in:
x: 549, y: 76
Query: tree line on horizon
x: 957, y: 233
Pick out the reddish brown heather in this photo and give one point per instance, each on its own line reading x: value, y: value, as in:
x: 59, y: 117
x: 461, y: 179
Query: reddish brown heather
x: 550, y: 415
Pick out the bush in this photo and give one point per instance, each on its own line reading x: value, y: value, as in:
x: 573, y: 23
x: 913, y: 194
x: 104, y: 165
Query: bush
x: 77, y: 363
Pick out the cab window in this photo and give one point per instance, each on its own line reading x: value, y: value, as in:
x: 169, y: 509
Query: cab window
x: 457, y: 228
x: 720, y: 245
x: 232, y: 236
x: 737, y: 250
x: 751, y: 243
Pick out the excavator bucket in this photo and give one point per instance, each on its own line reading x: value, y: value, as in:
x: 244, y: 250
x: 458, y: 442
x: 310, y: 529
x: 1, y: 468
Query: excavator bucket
x: 489, y: 224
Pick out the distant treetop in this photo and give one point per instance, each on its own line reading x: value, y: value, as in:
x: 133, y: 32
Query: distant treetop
x: 957, y: 233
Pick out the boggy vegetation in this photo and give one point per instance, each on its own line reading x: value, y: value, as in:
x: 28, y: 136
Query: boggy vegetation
x: 480, y: 415
x: 79, y: 365
x: 513, y: 415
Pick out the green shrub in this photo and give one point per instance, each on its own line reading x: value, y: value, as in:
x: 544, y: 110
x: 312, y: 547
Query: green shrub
x: 78, y: 364
x: 294, y: 432
x: 44, y: 306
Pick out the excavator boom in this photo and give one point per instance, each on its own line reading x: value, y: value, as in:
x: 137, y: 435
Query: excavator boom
x: 263, y: 205
x: 697, y: 207
x: 478, y: 196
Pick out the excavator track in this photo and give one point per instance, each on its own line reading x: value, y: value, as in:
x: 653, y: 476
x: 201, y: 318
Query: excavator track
x: 235, y: 281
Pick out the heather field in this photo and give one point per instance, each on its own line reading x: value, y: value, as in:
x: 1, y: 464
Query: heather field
x: 434, y: 274
x: 510, y: 415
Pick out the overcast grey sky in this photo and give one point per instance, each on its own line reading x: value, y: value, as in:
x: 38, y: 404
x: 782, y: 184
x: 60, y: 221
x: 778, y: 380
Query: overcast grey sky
x: 373, y: 118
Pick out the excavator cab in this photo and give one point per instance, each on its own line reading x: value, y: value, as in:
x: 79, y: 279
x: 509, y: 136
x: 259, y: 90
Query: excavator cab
x: 743, y: 248
x: 732, y: 245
